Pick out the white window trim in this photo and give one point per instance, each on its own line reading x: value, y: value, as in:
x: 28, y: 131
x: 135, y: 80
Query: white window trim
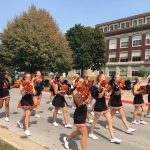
x: 121, y: 41
x: 146, y: 19
x: 147, y: 38
x: 142, y: 21
x: 136, y: 39
x: 137, y: 22
x: 109, y: 43
x: 105, y: 27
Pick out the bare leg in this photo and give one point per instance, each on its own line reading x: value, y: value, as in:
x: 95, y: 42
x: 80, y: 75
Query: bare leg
x: 1, y: 103
x: 7, y: 107
x: 124, y: 120
x: 96, y: 118
x: 109, y: 120
x: 55, y: 113
x: 73, y: 135
x: 136, y: 109
x: 113, y: 112
x: 65, y: 114
x: 27, y: 117
x: 148, y: 111
x: 84, y: 135
x: 143, y: 112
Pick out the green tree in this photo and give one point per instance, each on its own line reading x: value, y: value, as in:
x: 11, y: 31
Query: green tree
x: 97, y: 49
x: 88, y: 48
x: 33, y: 41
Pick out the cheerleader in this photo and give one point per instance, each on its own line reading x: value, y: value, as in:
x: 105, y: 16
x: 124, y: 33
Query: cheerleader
x: 38, y: 86
x: 138, y: 102
x: 100, y: 108
x: 116, y: 104
x: 80, y: 116
x: 4, y: 93
x: 148, y: 91
x: 60, y: 102
x: 26, y: 103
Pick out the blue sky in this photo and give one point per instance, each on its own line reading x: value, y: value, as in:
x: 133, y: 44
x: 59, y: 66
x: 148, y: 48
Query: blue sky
x: 70, y: 12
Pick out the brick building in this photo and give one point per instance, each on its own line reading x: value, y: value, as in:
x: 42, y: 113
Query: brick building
x: 127, y: 45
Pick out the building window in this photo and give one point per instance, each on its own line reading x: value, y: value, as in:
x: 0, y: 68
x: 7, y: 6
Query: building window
x: 123, y: 71
x: 127, y: 24
x: 112, y: 72
x: 111, y: 28
x: 140, y: 21
x: 124, y: 57
x: 112, y: 57
x: 122, y: 25
x: 148, y: 20
x: 113, y: 44
x: 147, y: 55
x: 115, y: 27
x: 136, y: 40
x: 105, y: 29
x: 124, y: 42
x: 135, y: 23
x: 136, y: 56
x: 135, y: 73
x: 101, y: 29
x: 147, y: 39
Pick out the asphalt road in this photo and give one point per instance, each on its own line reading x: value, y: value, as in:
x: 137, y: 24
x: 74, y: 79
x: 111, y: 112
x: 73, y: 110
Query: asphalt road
x: 45, y: 134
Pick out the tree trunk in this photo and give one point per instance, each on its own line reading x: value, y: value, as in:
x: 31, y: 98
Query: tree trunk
x: 82, y: 72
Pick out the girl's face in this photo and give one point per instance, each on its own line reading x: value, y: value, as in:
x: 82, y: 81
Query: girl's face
x: 61, y: 79
x: 117, y: 78
x: 28, y: 77
x: 139, y: 80
x: 102, y: 77
x: 38, y: 74
x: 81, y: 80
x: 6, y: 75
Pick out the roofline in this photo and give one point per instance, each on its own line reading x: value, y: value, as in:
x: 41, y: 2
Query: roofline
x: 123, y: 19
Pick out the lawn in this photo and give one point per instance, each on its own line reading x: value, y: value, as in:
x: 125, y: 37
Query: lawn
x: 6, y: 146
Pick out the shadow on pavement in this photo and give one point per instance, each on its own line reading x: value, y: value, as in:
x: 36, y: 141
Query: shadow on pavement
x: 73, y: 145
x: 59, y: 121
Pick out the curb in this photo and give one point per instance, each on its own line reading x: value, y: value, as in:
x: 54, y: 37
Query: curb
x: 123, y: 101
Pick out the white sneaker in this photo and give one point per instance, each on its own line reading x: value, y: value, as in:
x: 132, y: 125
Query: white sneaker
x: 20, y: 125
x: 66, y: 143
x: 53, y: 110
x: 90, y: 121
x: 147, y: 116
x: 135, y: 122
x: 6, y: 119
x: 68, y: 125
x: 130, y: 130
x: 92, y: 113
x: 59, y: 112
x: 27, y: 133
x: 143, y: 122
x: 55, y: 124
x: 115, y: 140
x: 38, y: 116
x: 117, y: 112
x: 50, y: 103
x: 93, y: 136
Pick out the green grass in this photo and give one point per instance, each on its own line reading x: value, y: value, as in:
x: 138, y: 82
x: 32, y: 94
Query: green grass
x: 6, y: 146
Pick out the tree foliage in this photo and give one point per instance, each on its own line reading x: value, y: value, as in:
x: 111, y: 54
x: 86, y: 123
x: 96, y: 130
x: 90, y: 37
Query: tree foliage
x: 33, y: 41
x: 88, y: 47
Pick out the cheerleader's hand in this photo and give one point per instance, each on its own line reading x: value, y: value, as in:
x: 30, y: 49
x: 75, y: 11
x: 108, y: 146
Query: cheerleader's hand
x: 117, y: 93
x: 34, y: 92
